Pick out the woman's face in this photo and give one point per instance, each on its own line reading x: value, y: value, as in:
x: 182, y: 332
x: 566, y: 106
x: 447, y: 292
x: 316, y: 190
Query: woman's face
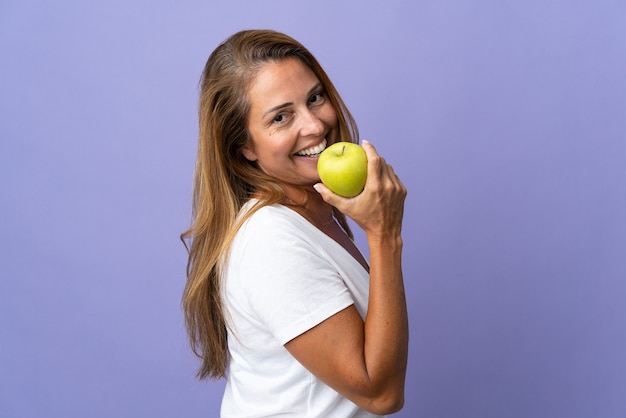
x: 291, y: 121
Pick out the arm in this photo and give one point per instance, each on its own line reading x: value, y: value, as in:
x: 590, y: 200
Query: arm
x: 366, y: 360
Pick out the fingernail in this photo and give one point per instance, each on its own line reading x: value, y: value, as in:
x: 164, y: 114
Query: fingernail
x: 316, y: 186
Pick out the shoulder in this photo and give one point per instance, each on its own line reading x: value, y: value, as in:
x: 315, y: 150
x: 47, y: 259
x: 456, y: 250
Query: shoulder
x: 274, y: 212
x: 269, y: 233
x: 275, y: 221
x: 276, y: 239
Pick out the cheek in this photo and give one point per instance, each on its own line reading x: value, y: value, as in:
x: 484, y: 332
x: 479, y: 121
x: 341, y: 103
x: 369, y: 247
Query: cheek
x: 328, y: 115
x: 275, y: 149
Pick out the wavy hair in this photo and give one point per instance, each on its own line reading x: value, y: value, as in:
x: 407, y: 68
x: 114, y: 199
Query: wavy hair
x: 224, y: 179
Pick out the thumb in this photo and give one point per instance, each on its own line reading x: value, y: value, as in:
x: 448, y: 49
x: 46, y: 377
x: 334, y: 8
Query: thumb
x: 328, y: 196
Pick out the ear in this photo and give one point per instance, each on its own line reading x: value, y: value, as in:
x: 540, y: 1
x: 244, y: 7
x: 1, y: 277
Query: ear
x: 248, y: 152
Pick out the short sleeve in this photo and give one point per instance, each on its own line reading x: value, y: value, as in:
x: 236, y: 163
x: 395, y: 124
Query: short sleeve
x: 289, y: 284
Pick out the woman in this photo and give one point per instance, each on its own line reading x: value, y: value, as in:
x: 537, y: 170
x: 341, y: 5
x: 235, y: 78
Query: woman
x: 278, y: 298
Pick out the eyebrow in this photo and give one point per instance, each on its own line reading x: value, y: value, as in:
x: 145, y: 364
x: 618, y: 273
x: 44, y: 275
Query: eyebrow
x: 284, y: 105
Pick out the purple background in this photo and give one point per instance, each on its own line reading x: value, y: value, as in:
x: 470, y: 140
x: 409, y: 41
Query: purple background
x: 506, y: 120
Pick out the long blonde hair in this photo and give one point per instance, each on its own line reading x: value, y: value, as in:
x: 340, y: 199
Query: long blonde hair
x: 224, y: 179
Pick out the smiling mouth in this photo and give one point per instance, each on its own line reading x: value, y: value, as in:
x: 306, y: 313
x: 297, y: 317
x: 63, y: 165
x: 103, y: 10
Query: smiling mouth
x: 313, y: 151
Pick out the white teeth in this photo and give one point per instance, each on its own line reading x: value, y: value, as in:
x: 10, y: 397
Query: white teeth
x: 313, y: 151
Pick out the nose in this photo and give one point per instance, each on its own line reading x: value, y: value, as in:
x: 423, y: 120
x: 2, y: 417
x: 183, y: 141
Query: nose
x: 311, y: 125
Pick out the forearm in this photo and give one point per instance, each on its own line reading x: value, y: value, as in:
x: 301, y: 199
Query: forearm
x: 386, y: 325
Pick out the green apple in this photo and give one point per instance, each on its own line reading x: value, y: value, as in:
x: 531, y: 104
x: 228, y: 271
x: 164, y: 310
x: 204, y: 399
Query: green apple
x: 343, y: 168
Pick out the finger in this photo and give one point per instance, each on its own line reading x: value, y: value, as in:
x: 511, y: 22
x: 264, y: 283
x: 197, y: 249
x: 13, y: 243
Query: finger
x: 370, y: 150
x: 328, y: 196
x: 375, y: 162
x: 395, y: 181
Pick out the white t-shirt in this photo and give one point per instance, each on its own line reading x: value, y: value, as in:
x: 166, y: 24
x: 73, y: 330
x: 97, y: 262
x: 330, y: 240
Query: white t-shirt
x: 284, y: 276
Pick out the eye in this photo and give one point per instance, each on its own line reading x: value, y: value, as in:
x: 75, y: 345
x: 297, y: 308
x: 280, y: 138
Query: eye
x: 279, y: 118
x: 317, y: 98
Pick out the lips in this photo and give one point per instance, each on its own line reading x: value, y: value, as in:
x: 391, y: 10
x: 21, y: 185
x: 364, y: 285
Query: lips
x: 313, y: 151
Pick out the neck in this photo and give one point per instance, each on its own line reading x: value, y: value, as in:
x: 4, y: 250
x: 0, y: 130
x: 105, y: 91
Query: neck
x: 309, y: 204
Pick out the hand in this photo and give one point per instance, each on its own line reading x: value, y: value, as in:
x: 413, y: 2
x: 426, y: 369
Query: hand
x: 379, y: 209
